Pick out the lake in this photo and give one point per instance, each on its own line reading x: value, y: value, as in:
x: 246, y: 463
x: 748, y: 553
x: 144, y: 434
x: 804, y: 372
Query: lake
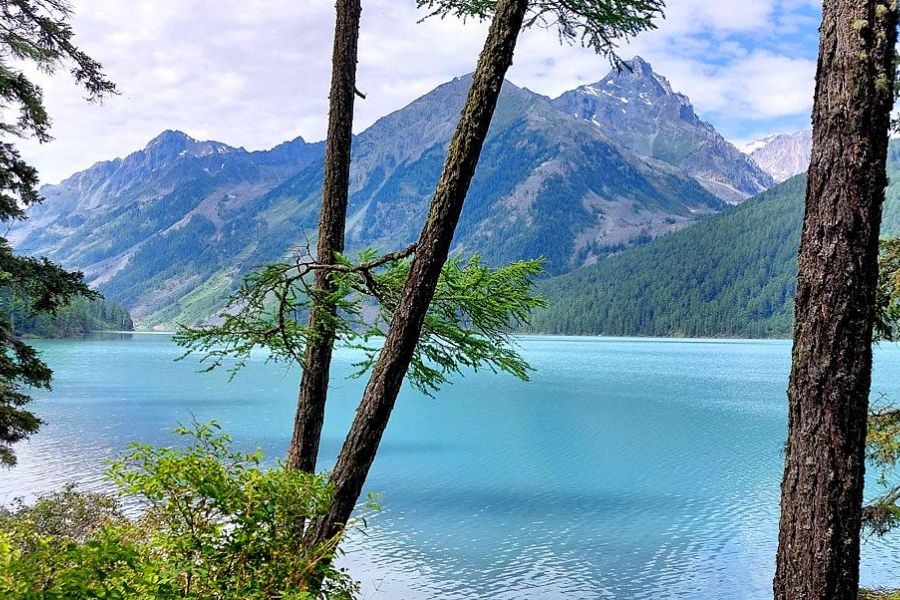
x: 626, y: 469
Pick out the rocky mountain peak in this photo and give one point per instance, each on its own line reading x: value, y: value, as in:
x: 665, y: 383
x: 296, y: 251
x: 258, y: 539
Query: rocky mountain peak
x: 172, y: 144
x: 171, y: 137
x: 639, y: 65
x: 636, y: 78
x: 782, y: 155
x: 638, y: 109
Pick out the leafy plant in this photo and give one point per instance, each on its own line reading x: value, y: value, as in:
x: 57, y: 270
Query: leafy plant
x: 213, y: 523
x: 883, y: 450
x: 887, y: 323
x: 599, y: 25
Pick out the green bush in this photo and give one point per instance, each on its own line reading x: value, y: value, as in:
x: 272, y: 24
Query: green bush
x: 212, y: 523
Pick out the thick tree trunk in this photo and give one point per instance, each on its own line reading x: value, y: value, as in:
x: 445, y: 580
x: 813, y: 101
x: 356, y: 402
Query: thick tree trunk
x: 822, y: 490
x: 304, y: 448
x: 372, y: 416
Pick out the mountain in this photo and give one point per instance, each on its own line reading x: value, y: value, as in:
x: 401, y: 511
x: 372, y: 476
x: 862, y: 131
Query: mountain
x: 782, y: 155
x: 122, y: 220
x: 169, y: 230
x: 730, y: 276
x: 98, y: 219
x: 637, y: 108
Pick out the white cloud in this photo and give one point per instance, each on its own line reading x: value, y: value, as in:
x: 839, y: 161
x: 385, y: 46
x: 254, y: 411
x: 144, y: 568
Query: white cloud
x: 689, y: 16
x: 255, y: 72
x: 759, y: 85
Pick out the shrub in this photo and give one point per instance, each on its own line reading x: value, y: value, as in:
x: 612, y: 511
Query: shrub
x: 197, y: 521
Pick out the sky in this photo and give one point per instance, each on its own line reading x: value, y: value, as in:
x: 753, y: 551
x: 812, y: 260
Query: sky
x: 255, y: 73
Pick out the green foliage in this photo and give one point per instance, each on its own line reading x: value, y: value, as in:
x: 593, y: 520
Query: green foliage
x: 65, y: 516
x: 883, y: 451
x: 879, y: 594
x: 468, y: 321
x: 213, y: 524
x: 887, y: 324
x: 883, y: 437
x: 466, y: 326
x: 596, y: 24
x: 42, y: 288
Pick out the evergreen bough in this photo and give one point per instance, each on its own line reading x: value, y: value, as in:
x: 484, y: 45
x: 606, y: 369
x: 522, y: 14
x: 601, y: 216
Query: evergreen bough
x: 36, y: 32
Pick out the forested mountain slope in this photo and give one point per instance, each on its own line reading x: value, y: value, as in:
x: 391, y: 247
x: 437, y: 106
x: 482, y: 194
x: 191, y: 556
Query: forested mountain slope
x: 169, y: 230
x: 77, y: 318
x: 731, y: 276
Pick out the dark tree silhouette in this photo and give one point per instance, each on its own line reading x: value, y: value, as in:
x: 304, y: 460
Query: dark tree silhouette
x: 36, y: 32
x: 828, y: 394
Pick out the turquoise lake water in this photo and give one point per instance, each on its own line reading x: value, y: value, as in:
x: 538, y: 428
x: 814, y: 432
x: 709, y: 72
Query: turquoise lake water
x: 625, y: 469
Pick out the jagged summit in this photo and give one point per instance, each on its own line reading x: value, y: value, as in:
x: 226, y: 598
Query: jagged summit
x: 638, y: 109
x: 171, y: 136
x: 172, y: 142
x: 635, y: 77
x: 639, y: 65
x: 639, y: 69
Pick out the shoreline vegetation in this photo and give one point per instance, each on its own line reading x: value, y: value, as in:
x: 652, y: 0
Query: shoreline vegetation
x: 78, y: 318
x: 213, y: 522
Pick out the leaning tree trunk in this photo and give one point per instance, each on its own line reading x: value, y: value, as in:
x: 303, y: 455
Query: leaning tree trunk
x: 372, y: 416
x: 822, y: 490
x: 304, y: 448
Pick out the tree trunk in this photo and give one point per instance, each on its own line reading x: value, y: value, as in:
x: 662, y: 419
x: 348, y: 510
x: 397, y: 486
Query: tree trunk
x: 304, y: 448
x: 372, y: 416
x: 828, y: 394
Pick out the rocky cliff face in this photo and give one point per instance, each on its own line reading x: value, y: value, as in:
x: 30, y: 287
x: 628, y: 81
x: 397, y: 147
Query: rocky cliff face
x: 637, y: 108
x: 782, y: 155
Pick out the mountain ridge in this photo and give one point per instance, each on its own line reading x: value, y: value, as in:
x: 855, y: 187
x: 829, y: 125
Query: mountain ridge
x: 660, y: 123
x: 170, y: 229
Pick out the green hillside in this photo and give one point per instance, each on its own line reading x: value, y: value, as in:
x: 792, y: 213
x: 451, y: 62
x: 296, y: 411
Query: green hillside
x: 730, y: 276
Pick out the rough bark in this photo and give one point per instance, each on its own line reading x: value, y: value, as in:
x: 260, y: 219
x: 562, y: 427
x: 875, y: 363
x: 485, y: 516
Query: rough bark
x: 310, y: 415
x: 828, y: 394
x: 378, y: 400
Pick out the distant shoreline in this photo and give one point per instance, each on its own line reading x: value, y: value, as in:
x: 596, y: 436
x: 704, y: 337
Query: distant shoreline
x: 564, y: 335
x: 140, y: 331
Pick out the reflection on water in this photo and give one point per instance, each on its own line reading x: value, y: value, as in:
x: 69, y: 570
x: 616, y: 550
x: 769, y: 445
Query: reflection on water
x: 625, y: 469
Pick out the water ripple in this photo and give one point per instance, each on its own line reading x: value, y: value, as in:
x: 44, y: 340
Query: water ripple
x: 626, y: 469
